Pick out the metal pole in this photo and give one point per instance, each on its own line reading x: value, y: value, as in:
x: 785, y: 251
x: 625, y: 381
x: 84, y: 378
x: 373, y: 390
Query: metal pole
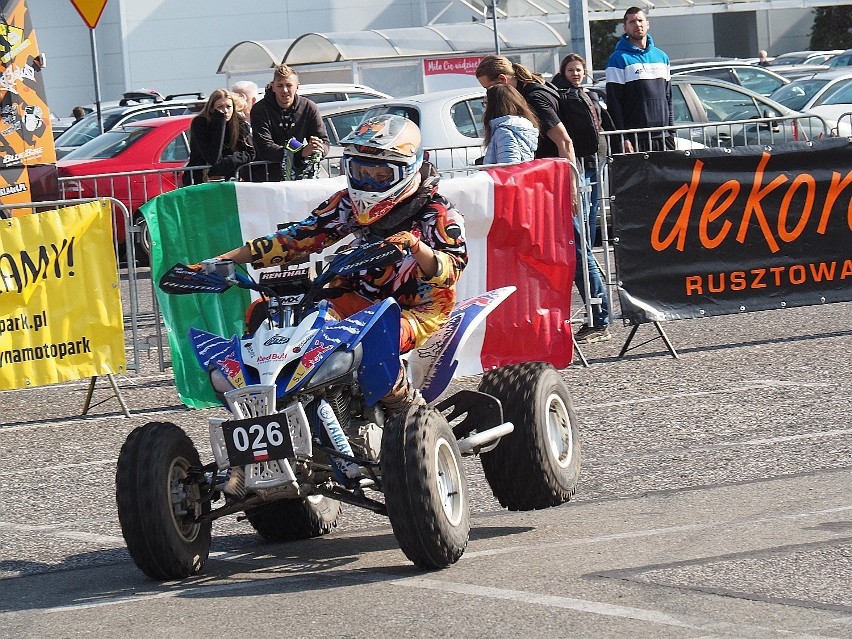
x: 494, y: 21
x: 581, y: 42
x: 97, y: 79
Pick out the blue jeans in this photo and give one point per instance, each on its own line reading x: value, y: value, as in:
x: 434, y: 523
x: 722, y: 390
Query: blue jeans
x: 600, y: 312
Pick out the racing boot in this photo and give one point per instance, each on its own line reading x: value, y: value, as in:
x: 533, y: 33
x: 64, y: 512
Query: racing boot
x: 401, y: 396
x: 235, y: 486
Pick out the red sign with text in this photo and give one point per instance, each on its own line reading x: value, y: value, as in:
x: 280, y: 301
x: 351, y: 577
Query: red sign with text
x: 458, y: 66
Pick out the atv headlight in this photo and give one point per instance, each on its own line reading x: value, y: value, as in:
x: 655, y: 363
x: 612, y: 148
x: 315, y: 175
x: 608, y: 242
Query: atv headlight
x: 219, y: 382
x: 337, y: 365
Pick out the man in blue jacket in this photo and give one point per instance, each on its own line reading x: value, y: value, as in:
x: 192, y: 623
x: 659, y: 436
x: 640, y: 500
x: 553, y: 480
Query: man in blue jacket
x: 638, y: 85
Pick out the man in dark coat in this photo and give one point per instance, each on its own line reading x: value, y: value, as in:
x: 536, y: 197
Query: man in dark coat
x: 283, y: 115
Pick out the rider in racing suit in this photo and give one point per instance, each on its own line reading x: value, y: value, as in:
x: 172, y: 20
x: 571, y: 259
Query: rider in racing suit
x: 392, y: 193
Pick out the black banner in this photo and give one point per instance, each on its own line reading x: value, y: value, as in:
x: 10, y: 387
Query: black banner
x: 719, y: 231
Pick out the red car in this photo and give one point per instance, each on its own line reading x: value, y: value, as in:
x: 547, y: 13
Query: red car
x: 132, y: 163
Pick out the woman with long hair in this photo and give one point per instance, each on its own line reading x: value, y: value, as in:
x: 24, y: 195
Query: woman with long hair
x: 218, y: 138
x: 553, y: 138
x: 511, y: 127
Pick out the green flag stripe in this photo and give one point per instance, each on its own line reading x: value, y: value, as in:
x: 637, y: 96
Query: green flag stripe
x: 187, y: 226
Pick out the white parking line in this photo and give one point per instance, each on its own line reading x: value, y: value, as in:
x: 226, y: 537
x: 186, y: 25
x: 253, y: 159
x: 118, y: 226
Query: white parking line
x: 657, y: 532
x: 656, y: 617
x: 758, y: 385
x: 59, y: 530
x: 717, y: 627
x: 87, y: 420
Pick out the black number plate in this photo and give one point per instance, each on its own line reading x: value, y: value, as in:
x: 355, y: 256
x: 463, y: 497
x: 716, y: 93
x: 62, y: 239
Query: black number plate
x: 258, y: 439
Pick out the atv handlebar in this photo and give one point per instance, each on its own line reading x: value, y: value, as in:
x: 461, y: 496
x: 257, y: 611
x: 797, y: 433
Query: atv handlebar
x: 216, y: 275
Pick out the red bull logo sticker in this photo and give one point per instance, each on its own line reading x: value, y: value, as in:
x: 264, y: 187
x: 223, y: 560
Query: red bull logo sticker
x: 311, y: 358
x: 232, y: 370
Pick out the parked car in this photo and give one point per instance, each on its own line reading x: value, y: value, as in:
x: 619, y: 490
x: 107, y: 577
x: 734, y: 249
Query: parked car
x: 60, y: 125
x: 828, y: 95
x: 795, y: 71
x: 758, y: 79
x: 841, y: 60
x: 135, y: 106
x: 705, y: 101
x: 331, y: 92
x: 804, y: 57
x: 450, y: 123
x: 159, y: 147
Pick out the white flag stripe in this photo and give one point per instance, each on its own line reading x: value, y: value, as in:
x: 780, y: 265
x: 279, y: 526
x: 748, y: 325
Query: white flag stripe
x: 262, y: 207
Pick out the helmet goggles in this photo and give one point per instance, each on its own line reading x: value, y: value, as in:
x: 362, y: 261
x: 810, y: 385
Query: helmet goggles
x: 373, y: 175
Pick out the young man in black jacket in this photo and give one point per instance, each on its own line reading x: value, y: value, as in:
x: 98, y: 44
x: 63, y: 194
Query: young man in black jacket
x: 282, y: 115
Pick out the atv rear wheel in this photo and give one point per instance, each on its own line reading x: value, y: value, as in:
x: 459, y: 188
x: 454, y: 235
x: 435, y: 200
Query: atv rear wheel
x: 425, y: 487
x: 537, y: 465
x: 292, y: 519
x: 158, y: 501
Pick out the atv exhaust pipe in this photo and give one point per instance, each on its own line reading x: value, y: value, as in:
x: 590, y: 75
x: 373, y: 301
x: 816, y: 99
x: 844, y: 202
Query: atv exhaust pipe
x: 476, y: 443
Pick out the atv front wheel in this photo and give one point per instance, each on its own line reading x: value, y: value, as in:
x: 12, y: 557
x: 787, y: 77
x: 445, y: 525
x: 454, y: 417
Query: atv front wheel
x: 538, y: 464
x: 292, y: 519
x: 425, y: 487
x: 158, y: 500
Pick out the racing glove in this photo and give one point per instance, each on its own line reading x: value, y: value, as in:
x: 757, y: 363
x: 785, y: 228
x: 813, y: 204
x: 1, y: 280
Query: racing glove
x: 405, y: 241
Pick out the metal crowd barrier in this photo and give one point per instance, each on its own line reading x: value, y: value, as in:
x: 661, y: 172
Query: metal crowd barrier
x: 727, y: 134
x: 844, y: 125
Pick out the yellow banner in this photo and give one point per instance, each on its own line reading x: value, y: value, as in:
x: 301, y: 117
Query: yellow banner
x: 60, y: 302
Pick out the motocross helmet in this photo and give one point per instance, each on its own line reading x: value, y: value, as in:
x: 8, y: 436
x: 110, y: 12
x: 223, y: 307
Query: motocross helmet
x: 382, y: 159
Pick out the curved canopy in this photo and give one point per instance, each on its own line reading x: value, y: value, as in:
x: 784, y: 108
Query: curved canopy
x: 318, y: 48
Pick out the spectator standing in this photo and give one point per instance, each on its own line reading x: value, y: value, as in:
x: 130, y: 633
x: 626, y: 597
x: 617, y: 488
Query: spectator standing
x: 573, y: 72
x: 763, y: 58
x: 511, y: 127
x: 249, y: 91
x: 219, y: 138
x: 78, y: 113
x: 283, y: 115
x: 638, y: 85
x: 553, y: 138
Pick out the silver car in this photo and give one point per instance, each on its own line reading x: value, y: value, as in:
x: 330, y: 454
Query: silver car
x: 450, y: 123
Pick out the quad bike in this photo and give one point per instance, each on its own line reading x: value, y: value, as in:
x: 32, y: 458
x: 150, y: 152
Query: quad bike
x: 307, y: 430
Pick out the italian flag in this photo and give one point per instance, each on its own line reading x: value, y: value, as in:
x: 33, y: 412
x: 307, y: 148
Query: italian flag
x: 518, y: 232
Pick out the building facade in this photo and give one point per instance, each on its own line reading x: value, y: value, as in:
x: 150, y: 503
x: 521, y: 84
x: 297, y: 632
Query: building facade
x: 176, y: 46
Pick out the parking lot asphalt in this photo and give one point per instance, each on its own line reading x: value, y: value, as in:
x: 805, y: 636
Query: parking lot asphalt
x: 714, y: 500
